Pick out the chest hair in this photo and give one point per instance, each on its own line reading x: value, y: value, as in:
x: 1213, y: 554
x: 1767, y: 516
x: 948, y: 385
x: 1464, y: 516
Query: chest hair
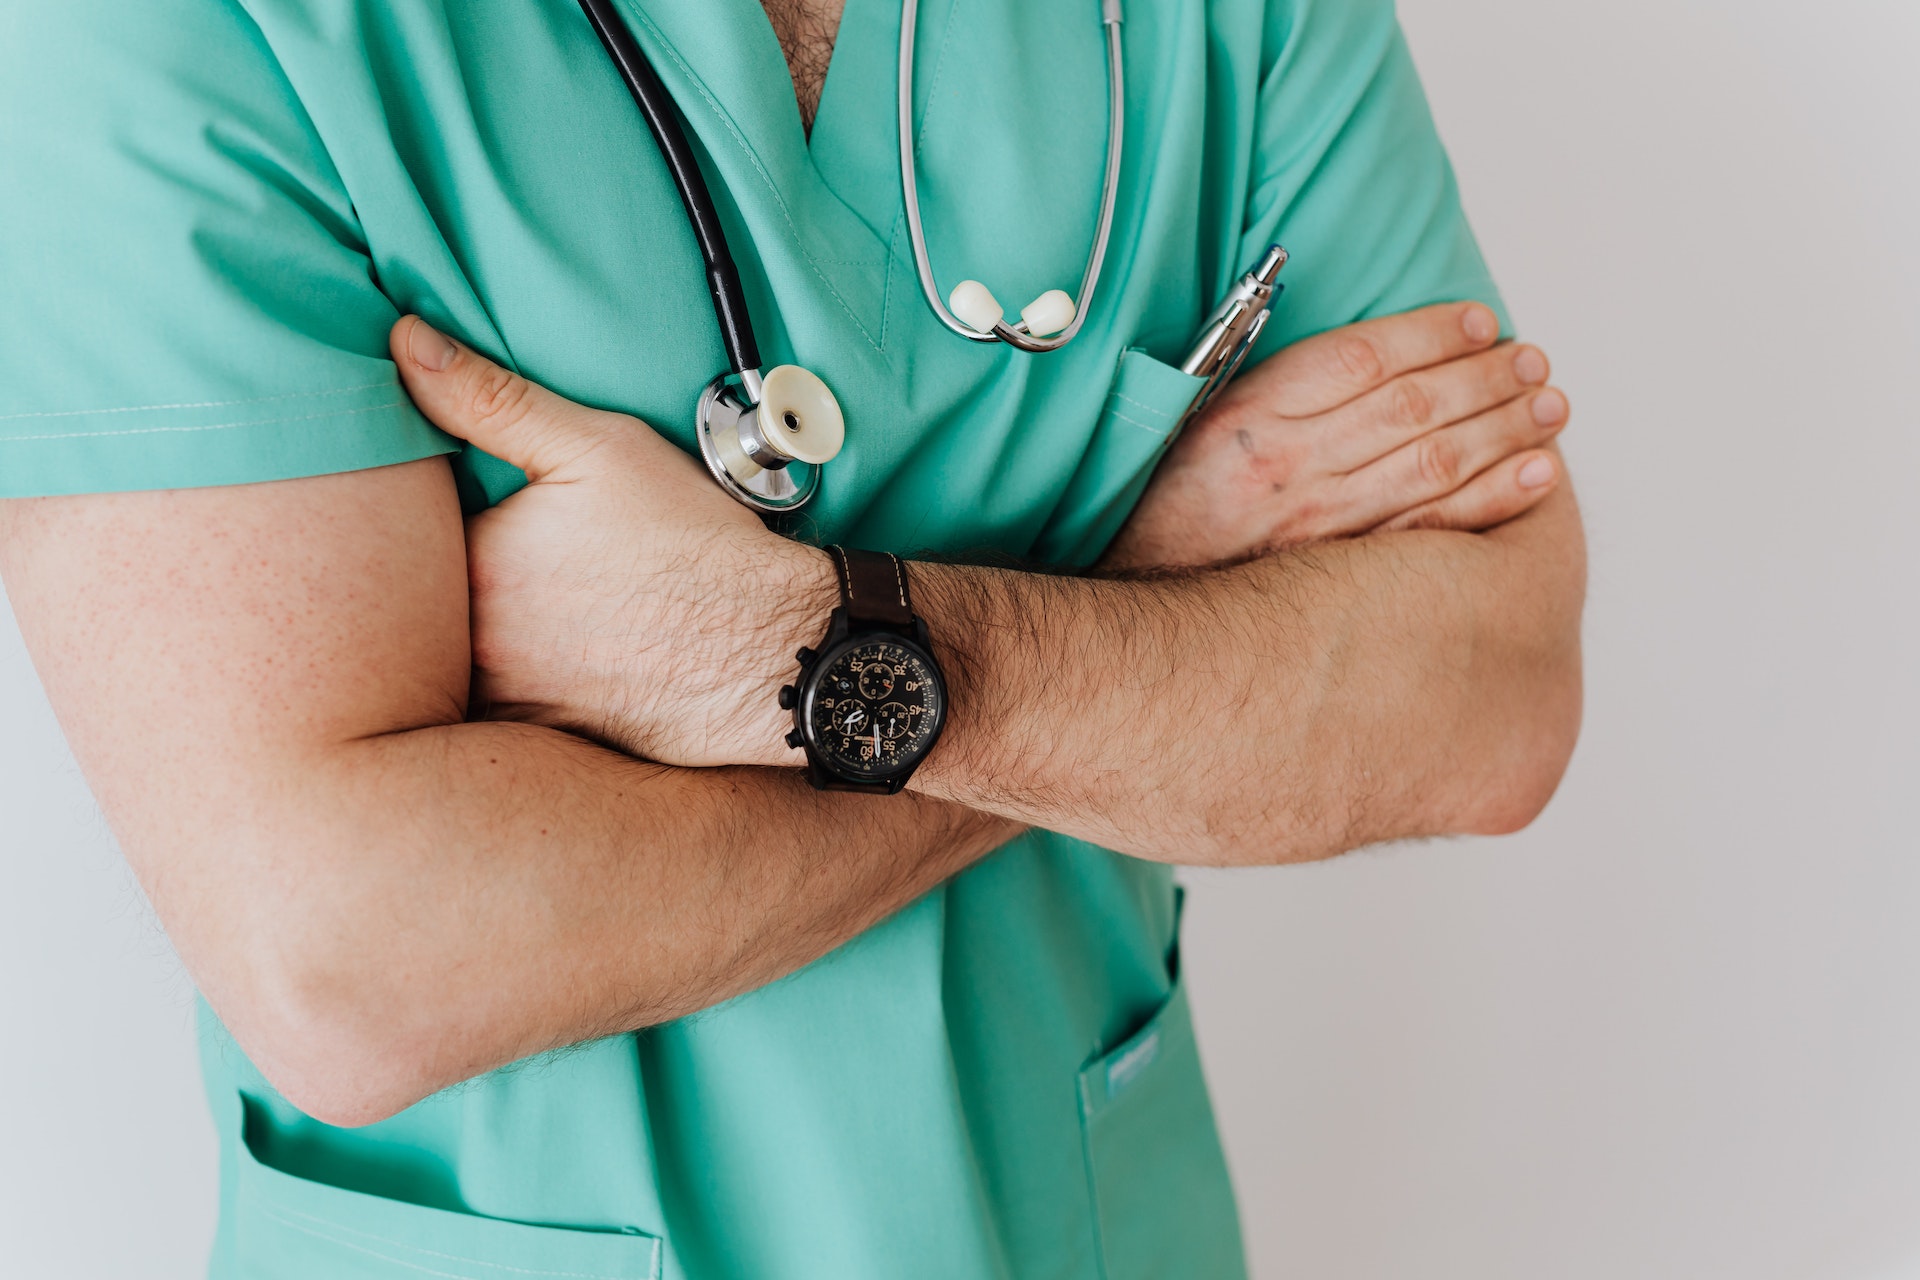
x: 807, y: 29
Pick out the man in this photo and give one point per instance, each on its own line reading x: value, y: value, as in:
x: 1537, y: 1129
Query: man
x: 418, y: 808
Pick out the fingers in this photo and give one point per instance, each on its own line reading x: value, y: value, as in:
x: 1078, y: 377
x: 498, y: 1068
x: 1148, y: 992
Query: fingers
x: 469, y: 396
x: 1442, y: 462
x: 1416, y: 403
x: 1498, y: 494
x: 1324, y: 372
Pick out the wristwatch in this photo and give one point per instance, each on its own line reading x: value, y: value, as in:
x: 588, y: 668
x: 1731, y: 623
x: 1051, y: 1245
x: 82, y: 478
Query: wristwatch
x: 870, y: 701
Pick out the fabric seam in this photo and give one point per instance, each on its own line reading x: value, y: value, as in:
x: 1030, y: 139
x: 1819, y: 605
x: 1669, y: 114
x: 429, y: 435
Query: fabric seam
x: 193, y: 404
x: 1134, y: 422
x: 214, y: 426
x: 333, y: 1231
x: 1158, y: 413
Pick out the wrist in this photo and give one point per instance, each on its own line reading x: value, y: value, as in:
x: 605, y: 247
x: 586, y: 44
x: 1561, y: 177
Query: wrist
x: 802, y: 584
x: 963, y: 607
x: 869, y: 699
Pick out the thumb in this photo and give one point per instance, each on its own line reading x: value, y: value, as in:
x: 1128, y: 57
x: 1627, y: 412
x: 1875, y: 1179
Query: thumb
x: 467, y: 395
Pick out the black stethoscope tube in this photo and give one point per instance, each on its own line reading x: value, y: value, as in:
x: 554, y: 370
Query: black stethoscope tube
x: 656, y: 105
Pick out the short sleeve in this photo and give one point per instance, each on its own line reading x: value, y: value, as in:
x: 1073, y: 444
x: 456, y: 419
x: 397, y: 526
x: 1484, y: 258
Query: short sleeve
x: 185, y: 295
x: 1349, y: 173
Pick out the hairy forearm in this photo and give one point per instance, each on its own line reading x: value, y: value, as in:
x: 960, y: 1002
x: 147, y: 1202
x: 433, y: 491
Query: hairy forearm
x: 465, y: 896
x: 266, y: 686
x: 1290, y: 708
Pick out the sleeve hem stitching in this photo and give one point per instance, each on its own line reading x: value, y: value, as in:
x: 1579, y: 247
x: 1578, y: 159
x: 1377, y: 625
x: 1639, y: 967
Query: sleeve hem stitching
x: 216, y: 426
x: 196, y: 404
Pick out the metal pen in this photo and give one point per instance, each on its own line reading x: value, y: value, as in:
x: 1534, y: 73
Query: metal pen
x: 1230, y: 332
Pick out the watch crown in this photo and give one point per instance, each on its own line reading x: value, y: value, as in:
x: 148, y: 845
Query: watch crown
x: 806, y: 656
x: 795, y: 741
x: 787, y: 695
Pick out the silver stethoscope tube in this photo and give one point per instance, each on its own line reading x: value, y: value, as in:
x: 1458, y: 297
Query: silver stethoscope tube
x: 1015, y: 335
x: 757, y: 430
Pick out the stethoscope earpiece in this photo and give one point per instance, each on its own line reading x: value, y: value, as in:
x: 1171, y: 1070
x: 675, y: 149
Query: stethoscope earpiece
x: 974, y: 304
x: 1048, y: 314
x: 1053, y: 319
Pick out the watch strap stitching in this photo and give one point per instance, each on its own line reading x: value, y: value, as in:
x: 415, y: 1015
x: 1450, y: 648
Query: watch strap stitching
x: 900, y: 578
x: 839, y: 558
x: 864, y: 587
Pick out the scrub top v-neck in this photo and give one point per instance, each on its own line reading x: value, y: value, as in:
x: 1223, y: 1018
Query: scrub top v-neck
x: 216, y: 208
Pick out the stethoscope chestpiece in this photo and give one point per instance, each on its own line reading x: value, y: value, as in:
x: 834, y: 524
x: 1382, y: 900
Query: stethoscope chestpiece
x: 765, y: 439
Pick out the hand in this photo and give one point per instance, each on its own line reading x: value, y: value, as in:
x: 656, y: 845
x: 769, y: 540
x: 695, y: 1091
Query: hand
x: 1415, y: 421
x: 620, y: 595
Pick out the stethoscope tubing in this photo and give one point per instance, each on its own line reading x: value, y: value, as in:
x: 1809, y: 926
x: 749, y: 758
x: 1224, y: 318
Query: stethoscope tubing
x: 1016, y: 336
x: 657, y: 107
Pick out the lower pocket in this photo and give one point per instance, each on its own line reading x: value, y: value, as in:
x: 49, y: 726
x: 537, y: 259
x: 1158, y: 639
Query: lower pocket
x: 1144, y: 409
x: 1162, y: 1198
x: 288, y: 1228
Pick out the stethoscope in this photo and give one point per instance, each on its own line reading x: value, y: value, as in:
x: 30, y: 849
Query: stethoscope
x: 766, y: 436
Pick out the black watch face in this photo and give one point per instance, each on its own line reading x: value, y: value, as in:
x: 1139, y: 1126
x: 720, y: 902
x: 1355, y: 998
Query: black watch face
x: 875, y: 708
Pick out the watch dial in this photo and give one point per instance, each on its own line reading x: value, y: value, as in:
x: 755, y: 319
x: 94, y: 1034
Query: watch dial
x: 876, y: 709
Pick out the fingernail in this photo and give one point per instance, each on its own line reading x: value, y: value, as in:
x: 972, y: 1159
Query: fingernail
x: 1480, y: 324
x: 1530, y: 366
x: 1549, y: 408
x: 1537, y: 474
x: 429, y: 348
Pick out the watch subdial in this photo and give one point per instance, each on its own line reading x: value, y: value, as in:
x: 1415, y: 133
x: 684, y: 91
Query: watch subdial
x: 895, y: 720
x: 876, y: 681
x: 852, y: 718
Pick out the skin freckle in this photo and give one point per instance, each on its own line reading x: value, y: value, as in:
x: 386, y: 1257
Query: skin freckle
x: 1265, y: 473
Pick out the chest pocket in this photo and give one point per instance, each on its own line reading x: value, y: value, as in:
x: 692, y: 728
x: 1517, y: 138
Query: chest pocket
x: 1143, y: 410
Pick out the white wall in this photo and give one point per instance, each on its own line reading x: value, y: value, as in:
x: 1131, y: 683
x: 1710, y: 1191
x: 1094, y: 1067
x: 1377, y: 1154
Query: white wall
x: 1671, y: 1032
x: 106, y: 1152
x: 1674, y: 1031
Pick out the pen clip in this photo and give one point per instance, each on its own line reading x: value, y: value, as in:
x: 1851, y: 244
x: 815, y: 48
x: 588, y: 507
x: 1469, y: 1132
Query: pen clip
x: 1237, y: 357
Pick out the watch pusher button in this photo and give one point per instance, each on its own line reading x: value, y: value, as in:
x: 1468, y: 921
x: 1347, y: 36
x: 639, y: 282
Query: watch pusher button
x: 795, y: 740
x: 806, y: 656
x: 788, y: 694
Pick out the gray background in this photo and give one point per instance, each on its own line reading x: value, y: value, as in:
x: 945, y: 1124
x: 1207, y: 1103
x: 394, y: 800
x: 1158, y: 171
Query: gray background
x: 1671, y: 1031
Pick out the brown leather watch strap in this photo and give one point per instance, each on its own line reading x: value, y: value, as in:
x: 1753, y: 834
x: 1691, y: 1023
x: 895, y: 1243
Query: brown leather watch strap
x: 873, y: 587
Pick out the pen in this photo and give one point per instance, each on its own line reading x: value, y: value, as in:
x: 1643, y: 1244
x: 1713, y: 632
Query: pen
x: 1235, y: 324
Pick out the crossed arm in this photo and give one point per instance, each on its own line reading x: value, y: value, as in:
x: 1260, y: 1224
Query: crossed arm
x: 1287, y: 709
x: 267, y: 686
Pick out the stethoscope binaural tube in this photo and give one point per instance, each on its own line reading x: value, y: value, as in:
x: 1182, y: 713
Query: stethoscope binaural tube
x: 1053, y: 312
x: 757, y: 436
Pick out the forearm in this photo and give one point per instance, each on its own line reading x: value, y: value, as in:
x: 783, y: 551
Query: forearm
x: 452, y: 899
x: 267, y: 688
x: 1289, y: 708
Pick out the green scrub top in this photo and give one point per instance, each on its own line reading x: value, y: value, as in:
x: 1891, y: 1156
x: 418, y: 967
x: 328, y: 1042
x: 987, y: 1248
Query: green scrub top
x: 211, y: 211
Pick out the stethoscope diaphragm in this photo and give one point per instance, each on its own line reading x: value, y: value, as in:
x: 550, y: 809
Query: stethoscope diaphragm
x: 765, y: 439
